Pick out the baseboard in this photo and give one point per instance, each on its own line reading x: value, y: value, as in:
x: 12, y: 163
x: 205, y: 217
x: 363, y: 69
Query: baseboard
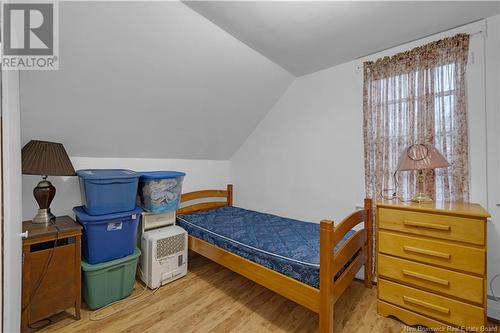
x: 493, y: 310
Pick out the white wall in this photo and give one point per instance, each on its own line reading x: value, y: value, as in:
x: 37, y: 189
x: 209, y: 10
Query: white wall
x: 11, y: 158
x: 493, y: 149
x: 307, y: 153
x: 200, y: 174
x: 155, y: 76
x: 305, y: 158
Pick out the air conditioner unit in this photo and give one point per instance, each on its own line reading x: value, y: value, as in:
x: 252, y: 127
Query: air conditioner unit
x: 164, y: 255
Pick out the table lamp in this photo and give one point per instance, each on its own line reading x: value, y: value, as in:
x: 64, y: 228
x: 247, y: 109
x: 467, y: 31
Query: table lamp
x: 421, y: 157
x: 45, y: 159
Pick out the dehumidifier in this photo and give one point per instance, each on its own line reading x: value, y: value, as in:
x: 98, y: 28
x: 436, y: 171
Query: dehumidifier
x: 164, y: 255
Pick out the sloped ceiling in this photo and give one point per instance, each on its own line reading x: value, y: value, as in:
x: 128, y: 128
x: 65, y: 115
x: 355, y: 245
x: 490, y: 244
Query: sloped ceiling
x: 148, y: 79
x: 307, y: 36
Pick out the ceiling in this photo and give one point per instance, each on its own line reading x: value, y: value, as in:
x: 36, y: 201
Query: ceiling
x: 148, y: 79
x: 304, y: 37
x: 158, y: 80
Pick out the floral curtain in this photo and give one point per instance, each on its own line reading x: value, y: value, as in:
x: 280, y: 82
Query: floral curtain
x: 417, y: 96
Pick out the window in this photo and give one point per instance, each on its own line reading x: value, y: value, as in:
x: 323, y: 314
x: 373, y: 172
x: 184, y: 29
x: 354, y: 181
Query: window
x: 417, y: 97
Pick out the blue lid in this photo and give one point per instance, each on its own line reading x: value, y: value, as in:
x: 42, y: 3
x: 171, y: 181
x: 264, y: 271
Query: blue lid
x: 106, y: 173
x: 161, y: 174
x: 82, y: 215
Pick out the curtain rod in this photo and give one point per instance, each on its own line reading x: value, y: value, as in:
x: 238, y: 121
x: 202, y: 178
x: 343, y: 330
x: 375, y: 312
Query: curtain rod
x: 361, y: 67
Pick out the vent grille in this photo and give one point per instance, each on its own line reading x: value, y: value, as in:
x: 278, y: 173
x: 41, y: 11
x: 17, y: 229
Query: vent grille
x: 168, y: 246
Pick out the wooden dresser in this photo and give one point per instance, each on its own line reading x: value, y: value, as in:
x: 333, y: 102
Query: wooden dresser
x: 431, y: 263
x: 51, y: 270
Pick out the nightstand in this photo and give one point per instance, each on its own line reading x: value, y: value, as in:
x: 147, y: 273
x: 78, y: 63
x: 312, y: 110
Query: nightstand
x: 51, y: 280
x: 431, y: 263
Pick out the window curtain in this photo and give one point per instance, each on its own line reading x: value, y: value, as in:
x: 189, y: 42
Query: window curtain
x: 418, y: 96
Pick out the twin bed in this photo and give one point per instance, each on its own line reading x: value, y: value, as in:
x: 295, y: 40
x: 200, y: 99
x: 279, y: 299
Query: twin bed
x: 306, y: 263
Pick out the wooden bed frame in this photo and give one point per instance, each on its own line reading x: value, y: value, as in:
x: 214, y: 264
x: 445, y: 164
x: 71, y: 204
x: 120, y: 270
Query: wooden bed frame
x: 357, y: 250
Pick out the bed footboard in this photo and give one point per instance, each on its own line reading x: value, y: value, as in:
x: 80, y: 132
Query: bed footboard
x: 356, y: 251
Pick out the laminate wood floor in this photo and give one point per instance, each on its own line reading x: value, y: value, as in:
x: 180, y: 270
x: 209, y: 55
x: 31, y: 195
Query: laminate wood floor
x: 212, y: 298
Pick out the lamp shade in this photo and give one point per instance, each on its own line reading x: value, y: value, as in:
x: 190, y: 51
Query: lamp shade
x: 46, y: 159
x: 420, y: 156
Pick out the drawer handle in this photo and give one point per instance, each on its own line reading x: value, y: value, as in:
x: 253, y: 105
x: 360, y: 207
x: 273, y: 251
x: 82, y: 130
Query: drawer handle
x: 427, y: 225
x: 426, y: 277
x: 427, y: 252
x: 426, y: 305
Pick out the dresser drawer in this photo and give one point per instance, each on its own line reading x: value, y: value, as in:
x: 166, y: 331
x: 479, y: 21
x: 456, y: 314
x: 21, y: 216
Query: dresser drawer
x: 434, y: 306
x: 460, y: 285
x: 461, y: 229
x: 441, y: 253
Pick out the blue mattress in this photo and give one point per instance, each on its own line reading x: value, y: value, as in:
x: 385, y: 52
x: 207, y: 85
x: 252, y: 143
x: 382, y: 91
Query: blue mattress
x: 287, y: 246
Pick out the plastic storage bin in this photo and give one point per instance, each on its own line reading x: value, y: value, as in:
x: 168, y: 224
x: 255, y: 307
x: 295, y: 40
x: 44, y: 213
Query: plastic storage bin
x: 108, y: 237
x: 109, y: 281
x: 107, y: 191
x: 160, y: 191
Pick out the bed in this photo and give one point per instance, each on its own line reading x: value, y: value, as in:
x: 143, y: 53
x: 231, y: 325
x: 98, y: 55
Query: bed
x: 309, y: 264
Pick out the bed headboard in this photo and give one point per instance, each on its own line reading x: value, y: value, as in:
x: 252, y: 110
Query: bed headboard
x: 204, y: 194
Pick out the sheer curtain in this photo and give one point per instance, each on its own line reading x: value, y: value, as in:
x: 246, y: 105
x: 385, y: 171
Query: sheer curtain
x: 417, y: 96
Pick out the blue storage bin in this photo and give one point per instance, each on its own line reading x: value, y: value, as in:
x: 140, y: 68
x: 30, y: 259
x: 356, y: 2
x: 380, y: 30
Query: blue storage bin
x: 160, y: 191
x: 108, y: 237
x: 108, y: 191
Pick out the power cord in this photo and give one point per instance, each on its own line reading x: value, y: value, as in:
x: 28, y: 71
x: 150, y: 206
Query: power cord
x: 394, y: 190
x: 491, y: 288
x: 94, y: 317
x: 45, y: 268
x: 394, y: 195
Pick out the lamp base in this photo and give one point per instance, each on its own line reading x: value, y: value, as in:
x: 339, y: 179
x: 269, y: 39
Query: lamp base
x: 421, y: 197
x: 43, y: 216
x: 44, y: 192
